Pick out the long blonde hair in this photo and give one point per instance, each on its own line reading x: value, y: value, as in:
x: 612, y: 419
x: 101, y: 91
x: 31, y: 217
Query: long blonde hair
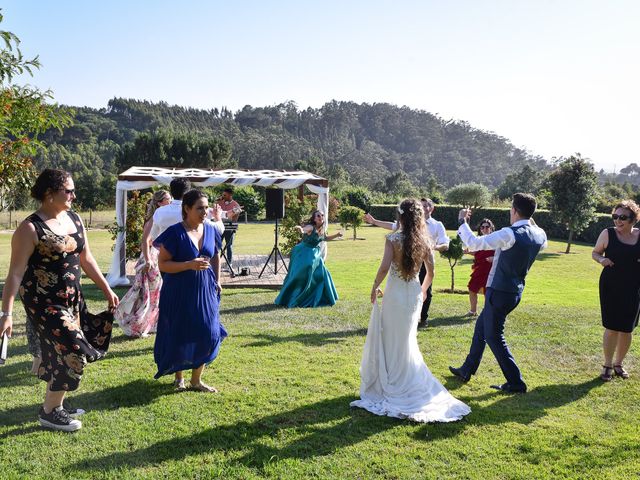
x: 154, y: 203
x: 416, y: 246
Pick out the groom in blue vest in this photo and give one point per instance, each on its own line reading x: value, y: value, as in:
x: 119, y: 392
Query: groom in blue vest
x: 516, y: 248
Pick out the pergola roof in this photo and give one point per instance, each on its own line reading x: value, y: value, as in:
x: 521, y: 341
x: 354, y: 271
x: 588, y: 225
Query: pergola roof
x: 245, y: 177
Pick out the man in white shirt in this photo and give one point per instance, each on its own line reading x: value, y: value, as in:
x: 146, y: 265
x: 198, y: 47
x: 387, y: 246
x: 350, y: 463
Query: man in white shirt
x: 516, y: 248
x: 439, y: 240
x: 171, y: 214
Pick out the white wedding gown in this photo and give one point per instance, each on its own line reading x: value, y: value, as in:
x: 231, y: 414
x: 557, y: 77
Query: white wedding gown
x: 395, y: 381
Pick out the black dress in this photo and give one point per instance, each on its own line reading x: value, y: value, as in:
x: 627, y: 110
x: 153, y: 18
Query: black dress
x: 620, y: 285
x: 50, y: 290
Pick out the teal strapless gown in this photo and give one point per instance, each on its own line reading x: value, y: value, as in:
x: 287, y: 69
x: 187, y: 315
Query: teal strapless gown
x: 308, y: 283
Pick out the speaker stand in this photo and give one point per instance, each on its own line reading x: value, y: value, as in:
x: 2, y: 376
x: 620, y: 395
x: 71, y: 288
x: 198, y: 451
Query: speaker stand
x: 275, y: 253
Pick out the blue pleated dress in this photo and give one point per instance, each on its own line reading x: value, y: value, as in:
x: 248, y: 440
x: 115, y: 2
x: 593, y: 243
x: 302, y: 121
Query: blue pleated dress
x: 308, y: 283
x: 189, y: 329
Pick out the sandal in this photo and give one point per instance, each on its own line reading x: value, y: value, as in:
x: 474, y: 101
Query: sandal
x: 203, y: 387
x: 179, y: 385
x: 607, y: 373
x: 620, y: 371
x: 470, y: 314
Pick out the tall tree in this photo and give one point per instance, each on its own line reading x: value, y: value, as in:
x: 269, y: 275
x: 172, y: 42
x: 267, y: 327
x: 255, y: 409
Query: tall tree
x: 24, y: 114
x: 528, y: 180
x: 574, y: 188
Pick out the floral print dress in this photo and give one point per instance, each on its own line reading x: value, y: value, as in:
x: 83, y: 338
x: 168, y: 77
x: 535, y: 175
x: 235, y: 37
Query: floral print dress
x: 69, y: 335
x: 137, y: 312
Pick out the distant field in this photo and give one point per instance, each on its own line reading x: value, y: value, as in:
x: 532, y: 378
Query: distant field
x: 92, y: 218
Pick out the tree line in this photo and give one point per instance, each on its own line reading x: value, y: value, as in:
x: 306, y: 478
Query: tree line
x: 371, y: 153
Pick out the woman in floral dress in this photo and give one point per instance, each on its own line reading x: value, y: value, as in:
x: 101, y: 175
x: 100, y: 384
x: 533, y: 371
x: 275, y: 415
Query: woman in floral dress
x: 48, y: 250
x: 137, y: 313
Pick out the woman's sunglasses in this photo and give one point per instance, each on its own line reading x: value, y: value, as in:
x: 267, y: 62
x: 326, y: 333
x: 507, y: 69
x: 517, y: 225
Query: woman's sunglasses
x: 485, y: 226
x: 622, y: 218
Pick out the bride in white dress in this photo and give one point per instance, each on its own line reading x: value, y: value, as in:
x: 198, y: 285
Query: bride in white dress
x: 395, y: 381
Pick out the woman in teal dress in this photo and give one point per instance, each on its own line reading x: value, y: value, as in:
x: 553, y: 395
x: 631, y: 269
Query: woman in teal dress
x: 309, y: 283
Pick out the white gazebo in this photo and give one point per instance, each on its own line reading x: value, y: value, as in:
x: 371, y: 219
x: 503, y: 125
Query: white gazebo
x: 138, y: 178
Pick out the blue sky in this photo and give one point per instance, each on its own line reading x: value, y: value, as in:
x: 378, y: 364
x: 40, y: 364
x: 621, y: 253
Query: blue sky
x: 555, y: 77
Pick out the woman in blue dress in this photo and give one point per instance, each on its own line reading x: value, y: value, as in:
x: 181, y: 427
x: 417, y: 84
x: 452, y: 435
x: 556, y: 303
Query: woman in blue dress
x: 309, y: 283
x: 189, y: 329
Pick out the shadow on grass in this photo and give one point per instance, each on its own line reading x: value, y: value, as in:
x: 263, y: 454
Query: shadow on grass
x: 130, y: 353
x: 322, y: 428
x: 262, y: 308
x: 312, y: 339
x: 318, y: 429
x: 133, y: 394
x: 522, y: 409
x: 16, y: 374
x: 121, y: 338
x: 450, y: 321
x: 545, y: 255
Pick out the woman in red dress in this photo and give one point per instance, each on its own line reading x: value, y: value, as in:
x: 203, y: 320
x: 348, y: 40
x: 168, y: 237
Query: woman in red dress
x: 482, y: 261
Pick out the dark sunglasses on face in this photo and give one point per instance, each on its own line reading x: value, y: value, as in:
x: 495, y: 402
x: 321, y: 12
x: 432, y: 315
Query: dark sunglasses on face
x: 485, y: 226
x: 68, y: 191
x: 622, y: 218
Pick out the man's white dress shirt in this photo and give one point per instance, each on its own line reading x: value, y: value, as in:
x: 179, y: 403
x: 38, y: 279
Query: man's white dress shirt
x: 171, y: 214
x: 503, y: 239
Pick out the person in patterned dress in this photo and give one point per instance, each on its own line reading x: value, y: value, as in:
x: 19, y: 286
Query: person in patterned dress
x: 137, y: 312
x: 48, y: 251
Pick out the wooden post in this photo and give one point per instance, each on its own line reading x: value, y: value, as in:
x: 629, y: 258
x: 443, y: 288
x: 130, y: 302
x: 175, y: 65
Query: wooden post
x: 301, y: 192
x: 10, y: 222
x: 90, y: 217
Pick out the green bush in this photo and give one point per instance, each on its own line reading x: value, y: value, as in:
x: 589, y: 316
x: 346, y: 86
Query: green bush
x: 453, y: 254
x: 295, y: 213
x: 357, y: 197
x: 448, y: 214
x: 136, y: 209
x: 251, y: 200
x: 470, y: 195
x: 351, y: 217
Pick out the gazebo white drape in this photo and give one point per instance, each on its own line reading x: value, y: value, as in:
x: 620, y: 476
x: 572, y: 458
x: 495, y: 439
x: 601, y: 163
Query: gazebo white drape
x: 138, y: 178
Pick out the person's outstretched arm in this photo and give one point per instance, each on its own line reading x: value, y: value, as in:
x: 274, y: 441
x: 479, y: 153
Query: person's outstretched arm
x: 502, y: 239
x: 378, y: 223
x: 442, y: 240
x: 428, y: 278
x: 91, y: 268
x: 385, y: 264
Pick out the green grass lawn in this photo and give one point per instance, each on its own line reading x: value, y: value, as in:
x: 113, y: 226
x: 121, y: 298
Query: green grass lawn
x: 286, y: 378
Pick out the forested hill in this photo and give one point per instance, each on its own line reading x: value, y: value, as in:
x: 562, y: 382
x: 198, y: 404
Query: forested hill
x: 364, y: 144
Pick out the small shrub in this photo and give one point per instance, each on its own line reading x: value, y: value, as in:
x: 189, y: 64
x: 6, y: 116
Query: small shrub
x: 351, y: 217
x: 134, y: 226
x: 453, y: 254
x: 296, y: 212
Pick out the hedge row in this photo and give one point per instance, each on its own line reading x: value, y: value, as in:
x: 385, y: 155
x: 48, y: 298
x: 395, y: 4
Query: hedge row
x: 448, y: 214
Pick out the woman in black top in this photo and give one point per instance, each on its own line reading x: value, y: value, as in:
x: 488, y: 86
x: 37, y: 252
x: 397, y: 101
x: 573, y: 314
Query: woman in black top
x: 618, y: 251
x: 48, y: 251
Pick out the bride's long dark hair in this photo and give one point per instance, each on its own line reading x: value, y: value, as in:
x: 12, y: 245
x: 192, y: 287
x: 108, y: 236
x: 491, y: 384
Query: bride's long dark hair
x: 415, y: 243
